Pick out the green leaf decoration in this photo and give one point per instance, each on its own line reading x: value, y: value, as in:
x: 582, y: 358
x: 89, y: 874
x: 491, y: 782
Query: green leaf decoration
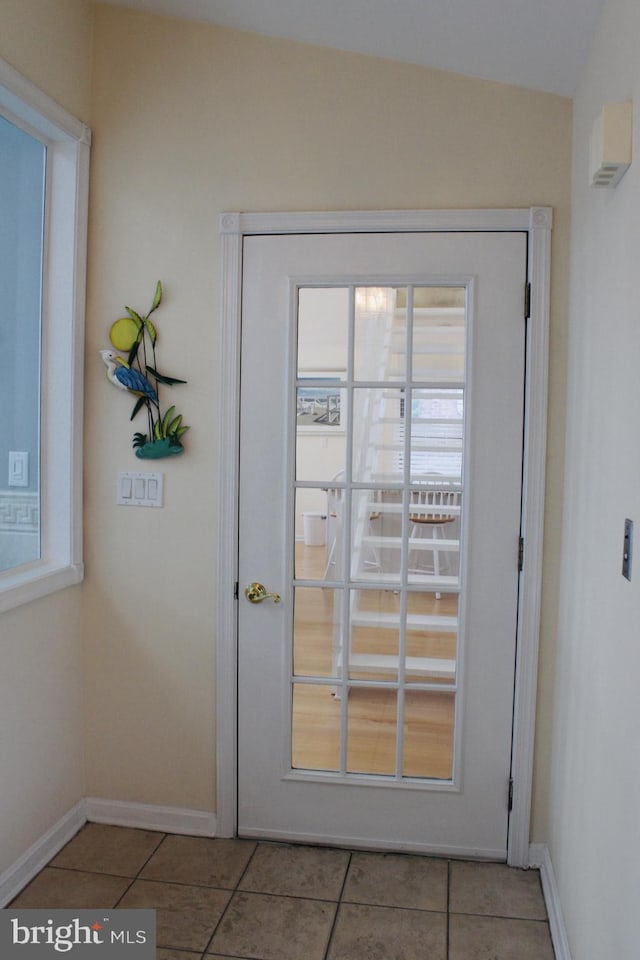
x: 133, y: 353
x: 139, y: 439
x: 157, y: 298
x: 173, y: 426
x: 134, y: 315
x: 140, y: 403
x: 178, y: 433
x: 151, y: 330
x: 161, y: 378
x: 166, y: 419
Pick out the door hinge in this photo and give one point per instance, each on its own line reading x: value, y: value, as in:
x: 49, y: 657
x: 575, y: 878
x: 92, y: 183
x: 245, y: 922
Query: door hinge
x: 527, y: 301
x: 520, y: 554
x: 510, y: 800
x: 236, y: 590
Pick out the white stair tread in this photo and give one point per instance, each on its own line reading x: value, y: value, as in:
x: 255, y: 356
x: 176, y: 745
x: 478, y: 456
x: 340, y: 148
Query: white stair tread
x: 447, y: 510
x: 434, y: 444
x: 426, y: 324
x: 415, y: 621
x: 396, y: 478
x: 423, y: 327
x: 415, y: 543
x: 383, y: 663
x: 433, y: 383
x: 424, y: 349
x: 451, y: 375
x: 437, y: 421
x: 432, y: 584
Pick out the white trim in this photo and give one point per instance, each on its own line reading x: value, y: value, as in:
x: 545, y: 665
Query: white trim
x: 17, y: 876
x: 150, y: 816
x: 537, y: 222
x: 35, y: 580
x: 227, y: 539
x: 377, y: 221
x: 533, y: 476
x: 28, y: 103
x: 365, y: 843
x: 64, y: 287
x: 117, y: 813
x: 540, y: 859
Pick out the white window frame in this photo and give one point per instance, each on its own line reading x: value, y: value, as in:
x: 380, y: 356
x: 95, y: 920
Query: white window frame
x: 63, y: 303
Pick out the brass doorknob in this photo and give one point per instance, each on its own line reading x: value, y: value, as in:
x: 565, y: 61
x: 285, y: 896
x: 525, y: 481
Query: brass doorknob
x: 256, y: 593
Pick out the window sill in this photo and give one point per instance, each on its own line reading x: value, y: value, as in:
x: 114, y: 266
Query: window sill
x: 32, y: 581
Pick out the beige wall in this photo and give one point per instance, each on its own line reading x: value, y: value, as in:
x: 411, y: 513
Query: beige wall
x: 191, y: 120
x: 595, y: 772
x: 49, y: 41
x: 41, y: 743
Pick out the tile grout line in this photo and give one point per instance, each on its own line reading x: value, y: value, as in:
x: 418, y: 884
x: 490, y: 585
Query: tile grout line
x: 234, y: 890
x: 151, y: 855
x: 137, y: 876
x: 124, y: 893
x: 339, y: 903
x: 500, y: 916
x: 380, y: 906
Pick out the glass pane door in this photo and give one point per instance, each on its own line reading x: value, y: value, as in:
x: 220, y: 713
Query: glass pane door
x: 378, y: 501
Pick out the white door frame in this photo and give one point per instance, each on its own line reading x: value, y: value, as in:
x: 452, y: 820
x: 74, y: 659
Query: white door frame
x: 536, y: 222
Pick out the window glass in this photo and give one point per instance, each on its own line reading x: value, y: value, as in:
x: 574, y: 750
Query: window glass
x: 22, y: 194
x: 377, y: 494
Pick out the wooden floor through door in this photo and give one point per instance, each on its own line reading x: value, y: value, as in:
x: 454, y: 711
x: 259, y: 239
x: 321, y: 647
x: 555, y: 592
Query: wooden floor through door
x: 372, y: 741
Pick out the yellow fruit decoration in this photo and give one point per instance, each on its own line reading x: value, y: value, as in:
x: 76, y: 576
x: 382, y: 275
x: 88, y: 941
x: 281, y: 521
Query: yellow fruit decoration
x: 124, y: 333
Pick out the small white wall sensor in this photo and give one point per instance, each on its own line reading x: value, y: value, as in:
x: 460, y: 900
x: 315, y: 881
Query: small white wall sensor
x: 610, y: 156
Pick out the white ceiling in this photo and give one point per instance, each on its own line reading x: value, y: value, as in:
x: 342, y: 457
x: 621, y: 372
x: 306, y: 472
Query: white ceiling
x: 541, y: 44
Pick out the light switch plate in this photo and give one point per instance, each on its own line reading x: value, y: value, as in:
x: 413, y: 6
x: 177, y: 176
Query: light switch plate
x: 137, y: 489
x: 18, y: 468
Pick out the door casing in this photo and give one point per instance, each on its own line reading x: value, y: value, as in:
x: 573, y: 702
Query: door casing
x: 537, y: 223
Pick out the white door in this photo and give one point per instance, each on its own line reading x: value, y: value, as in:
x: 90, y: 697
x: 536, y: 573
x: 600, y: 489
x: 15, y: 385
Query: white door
x: 380, y: 491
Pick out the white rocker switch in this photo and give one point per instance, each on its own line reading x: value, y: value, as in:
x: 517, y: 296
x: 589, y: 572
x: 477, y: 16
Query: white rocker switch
x: 140, y: 489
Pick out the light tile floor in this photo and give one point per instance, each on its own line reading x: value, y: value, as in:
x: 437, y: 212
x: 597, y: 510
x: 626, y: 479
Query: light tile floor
x: 219, y: 899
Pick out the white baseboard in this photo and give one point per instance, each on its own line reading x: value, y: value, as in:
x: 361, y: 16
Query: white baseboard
x: 118, y: 813
x: 540, y: 858
x: 149, y: 816
x: 15, y: 879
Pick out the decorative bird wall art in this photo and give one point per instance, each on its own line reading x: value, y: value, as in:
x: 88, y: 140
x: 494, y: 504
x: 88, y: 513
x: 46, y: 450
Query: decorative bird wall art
x: 138, y: 375
x: 127, y: 378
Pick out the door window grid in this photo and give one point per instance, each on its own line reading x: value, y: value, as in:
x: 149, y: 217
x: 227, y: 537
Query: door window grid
x: 407, y: 469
